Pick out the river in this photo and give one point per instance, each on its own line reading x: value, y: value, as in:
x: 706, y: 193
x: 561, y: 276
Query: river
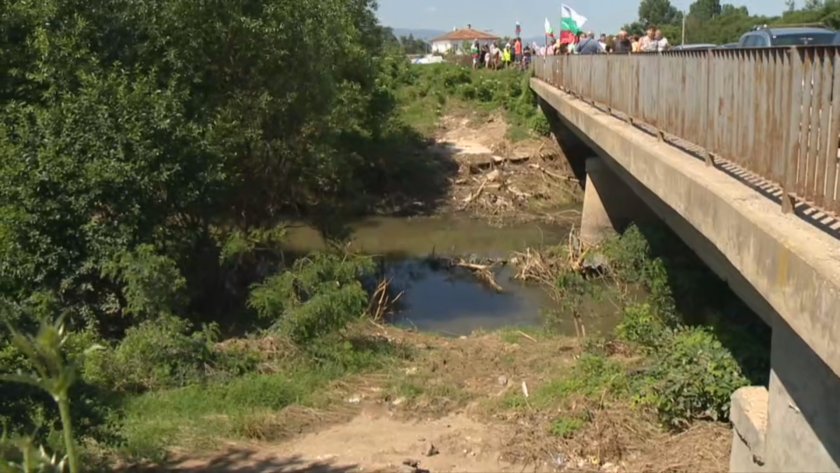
x: 454, y: 302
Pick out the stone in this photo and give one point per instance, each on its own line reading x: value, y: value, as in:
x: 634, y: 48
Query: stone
x: 429, y: 450
x: 503, y: 380
x: 354, y: 399
x: 398, y: 401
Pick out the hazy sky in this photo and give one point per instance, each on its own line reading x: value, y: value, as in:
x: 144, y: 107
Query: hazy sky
x: 500, y: 16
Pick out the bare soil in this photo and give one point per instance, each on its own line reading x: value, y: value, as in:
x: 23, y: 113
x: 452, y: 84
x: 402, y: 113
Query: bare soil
x: 505, y: 181
x: 445, y: 411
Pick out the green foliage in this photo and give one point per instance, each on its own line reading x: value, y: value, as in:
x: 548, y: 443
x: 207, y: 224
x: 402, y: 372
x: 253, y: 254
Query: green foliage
x: 156, y: 420
x: 567, y: 427
x: 451, y: 85
x: 52, y: 373
x: 151, y: 283
x: 320, y: 295
x: 156, y: 354
x: 641, y: 325
x: 593, y: 377
x: 693, y: 378
x: 658, y: 13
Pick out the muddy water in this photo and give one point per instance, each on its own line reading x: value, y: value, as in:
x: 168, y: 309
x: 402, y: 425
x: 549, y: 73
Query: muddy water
x: 454, y: 302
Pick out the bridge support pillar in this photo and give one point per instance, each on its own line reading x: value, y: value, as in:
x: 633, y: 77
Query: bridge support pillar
x: 794, y: 425
x: 609, y: 205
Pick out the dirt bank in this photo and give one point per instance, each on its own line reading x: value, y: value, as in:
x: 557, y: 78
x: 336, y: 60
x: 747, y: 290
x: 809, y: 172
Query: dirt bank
x: 452, y: 409
x: 502, y: 180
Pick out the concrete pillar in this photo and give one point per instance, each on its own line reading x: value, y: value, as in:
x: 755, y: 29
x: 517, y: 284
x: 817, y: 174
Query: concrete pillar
x: 795, y: 425
x: 609, y: 205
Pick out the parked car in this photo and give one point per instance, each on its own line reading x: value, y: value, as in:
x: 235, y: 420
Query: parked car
x: 773, y: 36
x: 728, y: 46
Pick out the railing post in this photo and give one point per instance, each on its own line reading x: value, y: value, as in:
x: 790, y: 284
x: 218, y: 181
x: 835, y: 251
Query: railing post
x: 707, y: 106
x: 791, y: 151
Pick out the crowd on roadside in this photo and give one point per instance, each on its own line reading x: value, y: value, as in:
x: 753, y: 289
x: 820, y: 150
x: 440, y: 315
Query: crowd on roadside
x: 622, y: 43
x: 514, y: 54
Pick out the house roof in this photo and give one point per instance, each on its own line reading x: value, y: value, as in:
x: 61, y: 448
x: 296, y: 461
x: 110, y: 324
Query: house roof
x: 466, y: 34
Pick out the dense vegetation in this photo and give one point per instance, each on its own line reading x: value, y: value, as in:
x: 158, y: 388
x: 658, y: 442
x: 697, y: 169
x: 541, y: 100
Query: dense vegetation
x: 150, y: 153
x: 690, y: 351
x: 711, y: 21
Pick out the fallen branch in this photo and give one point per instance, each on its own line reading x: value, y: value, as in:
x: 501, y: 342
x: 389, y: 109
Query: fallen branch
x: 559, y: 177
x: 482, y: 272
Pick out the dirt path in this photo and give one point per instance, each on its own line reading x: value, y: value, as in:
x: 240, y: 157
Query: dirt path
x: 373, y: 441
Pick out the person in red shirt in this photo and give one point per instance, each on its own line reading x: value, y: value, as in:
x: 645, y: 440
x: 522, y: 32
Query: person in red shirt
x: 517, y: 51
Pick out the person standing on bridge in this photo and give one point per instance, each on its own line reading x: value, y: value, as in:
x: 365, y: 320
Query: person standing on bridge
x: 589, y: 45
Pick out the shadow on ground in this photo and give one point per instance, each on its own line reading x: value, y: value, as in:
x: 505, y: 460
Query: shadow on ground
x: 242, y: 460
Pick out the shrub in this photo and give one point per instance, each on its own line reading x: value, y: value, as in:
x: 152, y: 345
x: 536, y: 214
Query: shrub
x: 319, y: 296
x: 567, y: 427
x: 643, y: 326
x: 155, y: 354
x: 539, y: 125
x: 694, y: 378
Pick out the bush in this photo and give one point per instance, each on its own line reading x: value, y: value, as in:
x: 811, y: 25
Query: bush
x: 319, y: 296
x: 643, y: 326
x: 539, y: 125
x: 694, y: 378
x: 155, y: 354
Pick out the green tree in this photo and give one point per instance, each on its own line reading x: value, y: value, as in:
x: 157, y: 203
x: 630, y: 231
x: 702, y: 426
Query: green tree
x: 658, y: 13
x: 704, y: 10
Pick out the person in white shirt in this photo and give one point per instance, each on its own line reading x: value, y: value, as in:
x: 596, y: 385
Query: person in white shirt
x: 661, y: 42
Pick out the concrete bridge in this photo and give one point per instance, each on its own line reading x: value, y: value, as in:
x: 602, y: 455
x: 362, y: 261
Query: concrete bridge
x: 737, y: 151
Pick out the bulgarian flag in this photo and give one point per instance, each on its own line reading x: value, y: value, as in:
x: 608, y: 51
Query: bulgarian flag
x: 549, y: 31
x: 571, y: 23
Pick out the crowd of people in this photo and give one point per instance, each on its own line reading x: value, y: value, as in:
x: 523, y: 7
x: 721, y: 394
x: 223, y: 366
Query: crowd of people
x: 622, y: 43
x: 516, y: 54
x: 493, y: 56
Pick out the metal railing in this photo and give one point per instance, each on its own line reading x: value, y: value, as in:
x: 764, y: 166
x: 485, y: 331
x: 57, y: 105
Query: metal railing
x: 774, y: 112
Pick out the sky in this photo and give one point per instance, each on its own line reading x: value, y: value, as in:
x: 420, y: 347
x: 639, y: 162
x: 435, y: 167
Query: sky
x: 500, y: 16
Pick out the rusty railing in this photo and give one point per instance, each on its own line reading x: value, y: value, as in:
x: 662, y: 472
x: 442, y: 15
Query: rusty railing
x: 773, y: 112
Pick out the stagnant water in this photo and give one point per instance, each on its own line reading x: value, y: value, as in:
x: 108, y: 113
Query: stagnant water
x: 454, y: 302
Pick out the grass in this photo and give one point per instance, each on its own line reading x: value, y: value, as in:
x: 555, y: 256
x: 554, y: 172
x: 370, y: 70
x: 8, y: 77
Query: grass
x: 201, y: 415
x: 426, y: 93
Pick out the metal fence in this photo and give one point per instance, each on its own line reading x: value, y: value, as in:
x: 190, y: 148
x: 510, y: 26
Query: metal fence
x: 773, y: 112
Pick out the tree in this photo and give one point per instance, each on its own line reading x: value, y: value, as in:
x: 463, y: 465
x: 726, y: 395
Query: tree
x: 658, y: 13
x: 704, y: 10
x: 790, y: 5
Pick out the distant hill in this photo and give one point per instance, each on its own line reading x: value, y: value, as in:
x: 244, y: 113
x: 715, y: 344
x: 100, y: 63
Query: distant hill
x: 425, y: 35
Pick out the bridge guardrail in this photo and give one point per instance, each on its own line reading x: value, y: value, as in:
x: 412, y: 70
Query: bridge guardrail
x: 772, y: 111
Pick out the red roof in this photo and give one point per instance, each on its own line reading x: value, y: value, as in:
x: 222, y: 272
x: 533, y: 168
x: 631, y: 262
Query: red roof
x: 466, y: 34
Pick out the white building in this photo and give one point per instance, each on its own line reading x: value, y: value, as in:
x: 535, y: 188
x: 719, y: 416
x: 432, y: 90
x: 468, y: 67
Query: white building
x: 454, y: 41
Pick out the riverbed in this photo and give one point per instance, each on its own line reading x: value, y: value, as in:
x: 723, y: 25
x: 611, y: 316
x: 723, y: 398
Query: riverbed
x: 452, y: 301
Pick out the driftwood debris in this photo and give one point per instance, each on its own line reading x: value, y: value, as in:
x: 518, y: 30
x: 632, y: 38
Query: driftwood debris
x: 382, y: 304
x: 483, y: 272
x: 554, y: 175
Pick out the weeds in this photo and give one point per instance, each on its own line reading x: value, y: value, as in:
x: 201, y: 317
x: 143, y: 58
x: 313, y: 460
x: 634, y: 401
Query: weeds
x: 431, y: 89
x: 683, y: 366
